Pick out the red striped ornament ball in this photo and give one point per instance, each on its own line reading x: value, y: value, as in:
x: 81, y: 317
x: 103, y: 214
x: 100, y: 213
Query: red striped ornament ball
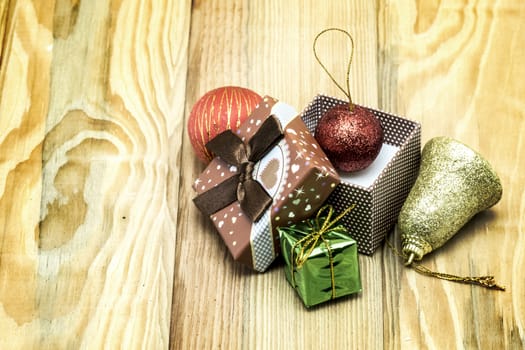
x: 217, y: 111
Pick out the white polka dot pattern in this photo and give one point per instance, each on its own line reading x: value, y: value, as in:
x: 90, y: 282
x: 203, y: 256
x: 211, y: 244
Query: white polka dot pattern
x: 378, y: 206
x: 263, y: 251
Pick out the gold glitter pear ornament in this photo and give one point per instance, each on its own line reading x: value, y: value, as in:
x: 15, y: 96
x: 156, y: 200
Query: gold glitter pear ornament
x: 454, y: 184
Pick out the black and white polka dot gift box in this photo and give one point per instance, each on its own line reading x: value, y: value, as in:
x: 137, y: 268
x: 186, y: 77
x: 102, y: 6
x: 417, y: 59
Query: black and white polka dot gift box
x: 380, y: 190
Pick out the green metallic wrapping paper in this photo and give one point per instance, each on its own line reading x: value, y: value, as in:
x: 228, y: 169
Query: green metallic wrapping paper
x: 313, y: 279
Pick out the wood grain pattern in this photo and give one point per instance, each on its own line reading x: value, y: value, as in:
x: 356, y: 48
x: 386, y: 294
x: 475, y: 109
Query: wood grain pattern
x: 456, y: 72
x: 91, y: 94
x: 100, y: 244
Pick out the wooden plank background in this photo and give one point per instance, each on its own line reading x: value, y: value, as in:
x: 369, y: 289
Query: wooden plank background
x: 100, y: 244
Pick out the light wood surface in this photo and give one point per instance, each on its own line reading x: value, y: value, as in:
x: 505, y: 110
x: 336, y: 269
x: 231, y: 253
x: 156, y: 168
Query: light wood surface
x: 100, y: 244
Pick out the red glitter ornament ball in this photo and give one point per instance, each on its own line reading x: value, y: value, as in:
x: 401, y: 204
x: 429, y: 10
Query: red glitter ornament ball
x: 217, y: 111
x: 351, y: 139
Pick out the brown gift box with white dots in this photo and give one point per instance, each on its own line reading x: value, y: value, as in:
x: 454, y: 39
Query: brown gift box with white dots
x: 295, y: 173
x: 380, y: 190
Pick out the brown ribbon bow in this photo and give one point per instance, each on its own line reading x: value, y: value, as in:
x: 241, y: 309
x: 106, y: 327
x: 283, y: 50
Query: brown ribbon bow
x: 253, y: 198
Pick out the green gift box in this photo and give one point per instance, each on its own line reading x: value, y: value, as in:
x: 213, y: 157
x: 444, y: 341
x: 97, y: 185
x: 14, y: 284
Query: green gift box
x: 321, y: 258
